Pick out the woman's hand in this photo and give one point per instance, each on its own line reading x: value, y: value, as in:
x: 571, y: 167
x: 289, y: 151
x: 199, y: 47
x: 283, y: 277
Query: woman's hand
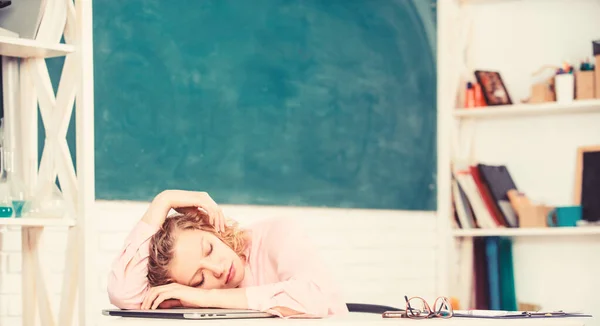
x: 173, y: 294
x: 184, y: 201
x: 190, y: 201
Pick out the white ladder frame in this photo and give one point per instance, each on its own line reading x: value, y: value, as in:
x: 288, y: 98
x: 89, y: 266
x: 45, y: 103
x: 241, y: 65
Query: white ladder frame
x: 27, y: 75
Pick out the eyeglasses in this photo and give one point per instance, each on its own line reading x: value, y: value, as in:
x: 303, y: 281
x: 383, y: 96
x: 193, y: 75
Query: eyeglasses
x: 418, y: 308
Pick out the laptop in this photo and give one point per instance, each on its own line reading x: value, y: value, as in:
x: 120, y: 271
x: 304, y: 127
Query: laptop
x: 187, y: 313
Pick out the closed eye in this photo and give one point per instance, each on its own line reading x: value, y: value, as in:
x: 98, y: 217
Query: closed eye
x: 199, y: 284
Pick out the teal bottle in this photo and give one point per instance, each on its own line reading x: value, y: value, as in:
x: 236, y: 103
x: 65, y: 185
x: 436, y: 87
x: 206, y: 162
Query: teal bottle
x: 6, y: 208
x: 6, y: 211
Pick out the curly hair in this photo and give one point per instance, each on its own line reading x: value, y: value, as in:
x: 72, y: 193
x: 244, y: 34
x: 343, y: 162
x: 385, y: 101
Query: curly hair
x: 163, y: 241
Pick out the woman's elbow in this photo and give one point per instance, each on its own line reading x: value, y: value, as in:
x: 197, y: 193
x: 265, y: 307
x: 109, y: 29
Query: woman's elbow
x: 312, y: 311
x: 122, y: 297
x: 285, y: 311
x: 316, y: 305
x: 322, y: 302
x: 124, y: 304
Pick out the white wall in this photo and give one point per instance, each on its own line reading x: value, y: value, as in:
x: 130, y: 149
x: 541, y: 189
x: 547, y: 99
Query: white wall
x: 377, y: 256
x: 516, y: 38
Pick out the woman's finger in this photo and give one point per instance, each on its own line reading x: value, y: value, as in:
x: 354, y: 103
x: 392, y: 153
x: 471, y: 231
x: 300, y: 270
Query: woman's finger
x: 162, y: 297
x: 219, y: 219
x: 216, y: 223
x: 153, y: 293
x: 222, y: 220
x: 149, y: 297
x: 210, y: 206
x: 202, y: 201
x: 146, y: 299
x: 211, y: 218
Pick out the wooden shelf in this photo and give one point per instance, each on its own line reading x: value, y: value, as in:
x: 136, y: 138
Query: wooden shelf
x: 36, y: 222
x: 527, y: 232
x: 26, y: 48
x: 579, y: 106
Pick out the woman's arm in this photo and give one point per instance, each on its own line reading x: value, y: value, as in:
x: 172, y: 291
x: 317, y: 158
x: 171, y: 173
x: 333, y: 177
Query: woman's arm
x: 177, y: 295
x: 186, y: 296
x: 304, y: 287
x: 127, y: 280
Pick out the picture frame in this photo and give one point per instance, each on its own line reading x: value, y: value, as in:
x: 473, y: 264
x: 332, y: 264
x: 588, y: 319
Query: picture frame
x: 493, y: 88
x: 587, y: 182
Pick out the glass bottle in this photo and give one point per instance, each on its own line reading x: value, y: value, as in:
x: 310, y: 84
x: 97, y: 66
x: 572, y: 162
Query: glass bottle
x: 16, y: 187
x: 48, y: 202
x: 6, y: 208
x: 18, y: 195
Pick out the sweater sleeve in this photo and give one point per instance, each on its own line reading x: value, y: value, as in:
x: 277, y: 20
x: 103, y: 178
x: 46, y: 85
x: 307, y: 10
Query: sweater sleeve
x: 304, y: 282
x: 128, y: 278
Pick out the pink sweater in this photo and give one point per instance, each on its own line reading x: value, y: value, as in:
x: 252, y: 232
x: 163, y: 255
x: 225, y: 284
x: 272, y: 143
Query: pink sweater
x: 282, y: 269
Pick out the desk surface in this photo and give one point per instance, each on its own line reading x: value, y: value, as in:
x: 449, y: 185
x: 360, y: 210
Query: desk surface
x: 349, y: 319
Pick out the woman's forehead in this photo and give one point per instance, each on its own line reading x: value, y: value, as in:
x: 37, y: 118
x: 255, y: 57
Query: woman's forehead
x: 189, y: 240
x: 187, y: 252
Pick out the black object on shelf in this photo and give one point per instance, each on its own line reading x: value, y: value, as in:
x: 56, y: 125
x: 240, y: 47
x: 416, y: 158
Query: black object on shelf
x: 596, y: 47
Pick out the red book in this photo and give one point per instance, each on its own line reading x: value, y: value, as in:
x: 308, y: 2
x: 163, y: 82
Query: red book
x: 487, y: 198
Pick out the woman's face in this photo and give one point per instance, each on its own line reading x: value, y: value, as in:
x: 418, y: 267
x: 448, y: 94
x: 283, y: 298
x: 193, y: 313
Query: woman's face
x: 202, y: 260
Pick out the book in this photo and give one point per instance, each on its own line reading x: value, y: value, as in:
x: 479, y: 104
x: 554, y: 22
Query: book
x: 491, y: 250
x: 481, y: 279
x: 481, y: 213
x: 508, y: 297
x: 487, y: 197
x: 463, y: 209
x: 499, y: 182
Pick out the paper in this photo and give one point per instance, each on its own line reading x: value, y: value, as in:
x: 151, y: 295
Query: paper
x: 486, y: 313
x: 515, y: 314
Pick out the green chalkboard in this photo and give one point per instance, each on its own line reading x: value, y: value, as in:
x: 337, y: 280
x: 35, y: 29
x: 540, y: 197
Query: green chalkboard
x: 274, y: 102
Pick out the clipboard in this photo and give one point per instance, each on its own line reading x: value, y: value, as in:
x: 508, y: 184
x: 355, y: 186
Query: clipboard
x: 502, y: 314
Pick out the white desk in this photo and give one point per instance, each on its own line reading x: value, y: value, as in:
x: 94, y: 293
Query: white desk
x: 350, y: 319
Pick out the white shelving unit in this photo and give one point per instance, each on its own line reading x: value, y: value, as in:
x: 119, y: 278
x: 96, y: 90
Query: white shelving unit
x: 536, y: 141
x: 527, y: 232
x: 520, y: 110
x: 24, y: 48
x: 27, y: 88
x: 37, y: 222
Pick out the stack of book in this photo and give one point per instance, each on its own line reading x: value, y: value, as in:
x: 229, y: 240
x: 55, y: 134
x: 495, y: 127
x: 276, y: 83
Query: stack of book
x: 480, y: 197
x: 481, y: 200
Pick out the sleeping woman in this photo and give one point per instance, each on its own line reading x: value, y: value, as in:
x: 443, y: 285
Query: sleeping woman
x: 198, y: 258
